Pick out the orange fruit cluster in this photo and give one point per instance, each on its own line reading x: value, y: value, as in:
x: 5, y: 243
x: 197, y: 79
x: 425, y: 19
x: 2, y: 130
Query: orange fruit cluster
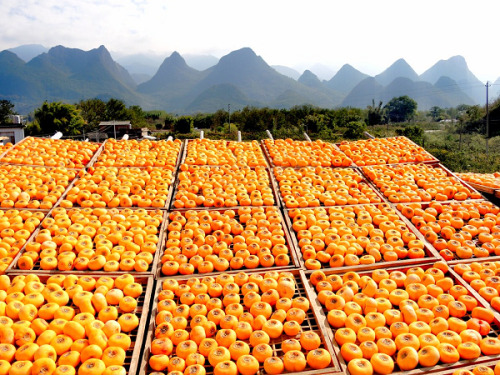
x: 459, y: 229
x: 319, y: 186
x: 121, y: 187
x: 377, y: 151
x: 215, y: 241
x: 16, y: 227
x: 418, y: 183
x: 51, y: 152
x: 144, y: 153
x: 392, y: 320
x: 5, y: 147
x: 221, y: 152
x: 353, y: 235
x: 95, y: 240
x: 235, y: 324
x: 67, y: 324
x: 485, y: 179
x: 290, y: 153
x: 223, y: 186
x: 33, y: 187
x: 483, y: 278
x: 484, y: 369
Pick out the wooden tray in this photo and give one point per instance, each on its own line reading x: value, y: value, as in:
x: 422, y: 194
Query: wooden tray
x: 495, y: 326
x: 14, y: 269
x: 132, y: 355
x: 188, y: 141
x: 167, y: 200
x: 456, y: 259
x: 177, y: 162
x: 354, y: 170
x: 32, y: 234
x: 271, y: 162
x: 294, y: 263
x: 410, y: 143
x: 28, y: 139
x: 313, y: 321
x: 431, y: 254
x: 427, y: 165
x: 271, y: 185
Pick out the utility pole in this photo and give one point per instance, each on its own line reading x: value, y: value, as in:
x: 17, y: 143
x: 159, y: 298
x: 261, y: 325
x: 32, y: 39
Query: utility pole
x: 487, y: 117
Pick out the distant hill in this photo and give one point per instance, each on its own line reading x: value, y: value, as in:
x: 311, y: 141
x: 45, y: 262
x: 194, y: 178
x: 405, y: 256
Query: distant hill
x: 456, y: 68
x: 28, y: 51
x: 363, y: 93
x: 345, y: 79
x: 398, y: 69
x: 240, y: 78
x: 64, y: 74
x: 219, y: 96
x: 171, y: 83
x: 310, y: 79
x: 443, y: 94
x: 286, y: 71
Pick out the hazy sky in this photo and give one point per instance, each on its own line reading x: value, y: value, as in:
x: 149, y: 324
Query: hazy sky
x: 370, y: 35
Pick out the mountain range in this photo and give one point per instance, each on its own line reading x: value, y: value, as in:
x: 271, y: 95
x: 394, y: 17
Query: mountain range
x: 31, y: 74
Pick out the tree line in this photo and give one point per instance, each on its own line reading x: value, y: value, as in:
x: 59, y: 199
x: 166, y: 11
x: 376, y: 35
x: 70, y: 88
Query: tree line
x: 328, y: 124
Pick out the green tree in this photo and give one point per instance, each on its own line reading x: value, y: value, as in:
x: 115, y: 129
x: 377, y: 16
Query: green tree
x: 415, y: 133
x: 137, y: 116
x: 375, y: 113
x: 57, y: 116
x: 401, y: 109
x: 436, y: 113
x: 355, y: 130
x: 93, y: 112
x: 183, y: 124
x: 116, y: 110
x: 6, y: 109
x: 474, y: 119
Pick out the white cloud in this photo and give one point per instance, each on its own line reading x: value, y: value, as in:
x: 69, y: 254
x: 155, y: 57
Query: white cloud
x: 369, y: 35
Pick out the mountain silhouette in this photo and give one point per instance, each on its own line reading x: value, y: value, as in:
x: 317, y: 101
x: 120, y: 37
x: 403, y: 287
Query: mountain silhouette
x: 398, y: 69
x: 240, y: 78
x: 345, y: 79
x: 456, y: 68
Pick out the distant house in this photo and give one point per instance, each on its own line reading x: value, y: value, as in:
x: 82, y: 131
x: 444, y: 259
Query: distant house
x: 12, y: 132
x: 115, y: 129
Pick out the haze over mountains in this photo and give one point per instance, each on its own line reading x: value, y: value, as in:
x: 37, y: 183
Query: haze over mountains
x: 31, y: 74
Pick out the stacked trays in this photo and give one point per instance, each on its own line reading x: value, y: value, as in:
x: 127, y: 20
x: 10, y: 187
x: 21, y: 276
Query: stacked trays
x: 274, y: 233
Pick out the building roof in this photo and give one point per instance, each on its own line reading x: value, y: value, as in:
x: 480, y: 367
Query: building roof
x: 105, y: 123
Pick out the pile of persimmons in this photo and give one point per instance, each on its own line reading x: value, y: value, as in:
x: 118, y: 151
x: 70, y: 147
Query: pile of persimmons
x: 491, y: 180
x: 203, y: 241
x: 64, y: 324
x: 389, y: 320
x: 418, y: 183
x: 94, y: 239
x: 319, y: 186
x: 210, y: 152
x: 222, y: 186
x: 458, y: 230
x: 206, y: 219
x: 51, y: 153
x: 237, y: 324
x: 353, y: 235
x: 134, y: 153
x: 385, y: 151
x: 290, y: 153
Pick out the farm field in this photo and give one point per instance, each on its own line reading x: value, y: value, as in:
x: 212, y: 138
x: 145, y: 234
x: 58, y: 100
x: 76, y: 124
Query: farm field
x: 220, y: 257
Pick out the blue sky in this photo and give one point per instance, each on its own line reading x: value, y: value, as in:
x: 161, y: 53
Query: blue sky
x: 370, y: 35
